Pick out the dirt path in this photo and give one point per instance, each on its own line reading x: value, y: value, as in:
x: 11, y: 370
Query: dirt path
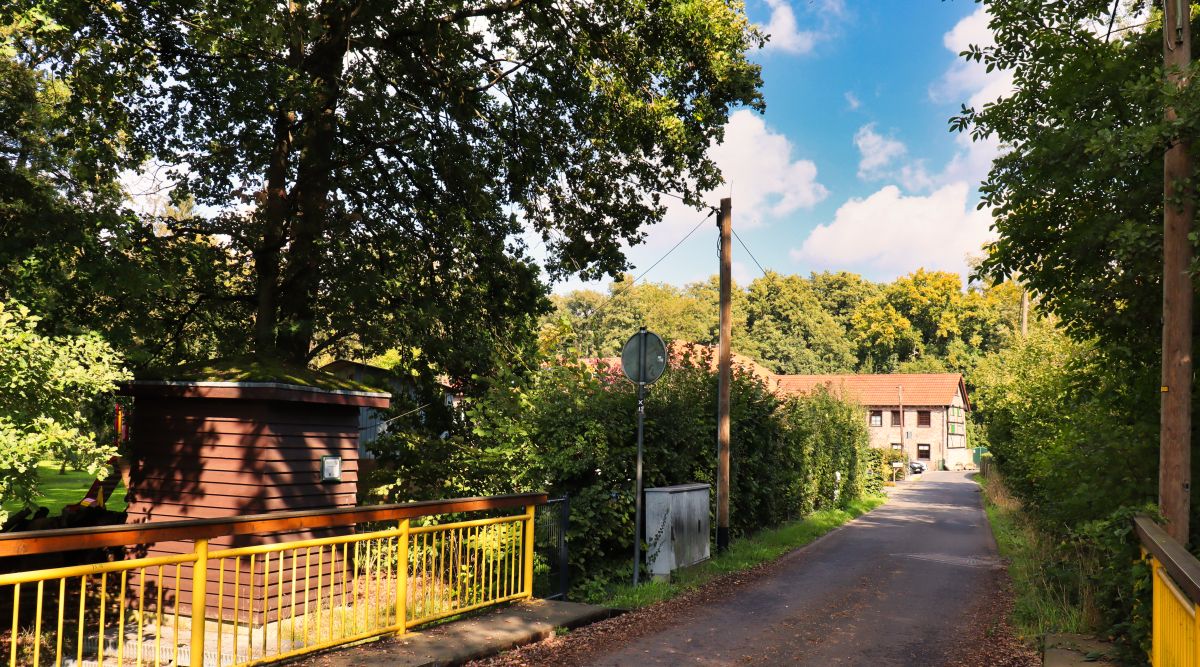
x: 916, y: 582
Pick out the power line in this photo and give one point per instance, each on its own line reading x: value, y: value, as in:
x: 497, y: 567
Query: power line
x: 747, y: 249
x: 628, y: 287
x: 381, y: 424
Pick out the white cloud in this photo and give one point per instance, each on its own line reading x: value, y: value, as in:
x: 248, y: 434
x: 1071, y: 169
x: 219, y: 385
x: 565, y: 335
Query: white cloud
x: 767, y: 183
x: 877, y: 152
x: 889, y: 234
x: 967, y: 78
x: 785, y: 32
x: 852, y: 101
x: 758, y: 165
x: 969, y: 82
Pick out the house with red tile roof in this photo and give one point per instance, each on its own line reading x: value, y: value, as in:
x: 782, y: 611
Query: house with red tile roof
x: 921, y: 414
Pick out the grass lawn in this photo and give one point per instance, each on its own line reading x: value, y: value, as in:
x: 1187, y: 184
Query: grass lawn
x: 743, y: 554
x: 1042, y: 603
x: 66, y: 489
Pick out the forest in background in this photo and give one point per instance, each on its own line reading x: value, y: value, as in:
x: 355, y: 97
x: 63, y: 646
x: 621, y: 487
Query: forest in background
x: 828, y: 322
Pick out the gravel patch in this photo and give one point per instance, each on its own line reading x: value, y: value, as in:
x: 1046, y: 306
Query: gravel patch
x: 989, y: 639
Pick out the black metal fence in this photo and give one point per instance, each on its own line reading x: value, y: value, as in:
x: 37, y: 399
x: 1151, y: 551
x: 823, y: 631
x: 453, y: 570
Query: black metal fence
x: 551, y: 556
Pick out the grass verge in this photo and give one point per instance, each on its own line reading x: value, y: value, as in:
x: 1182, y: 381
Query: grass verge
x: 743, y: 554
x: 58, y: 491
x: 1050, y: 589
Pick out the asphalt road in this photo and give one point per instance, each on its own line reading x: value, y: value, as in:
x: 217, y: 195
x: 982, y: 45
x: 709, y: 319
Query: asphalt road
x: 893, y: 587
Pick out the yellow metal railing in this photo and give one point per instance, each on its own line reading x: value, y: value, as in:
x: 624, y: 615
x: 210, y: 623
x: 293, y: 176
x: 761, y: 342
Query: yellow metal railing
x: 258, y: 604
x: 1175, y: 576
x: 1173, y: 635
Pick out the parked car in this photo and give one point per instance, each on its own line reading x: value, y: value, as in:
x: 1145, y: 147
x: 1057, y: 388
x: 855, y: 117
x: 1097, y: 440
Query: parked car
x: 915, y: 467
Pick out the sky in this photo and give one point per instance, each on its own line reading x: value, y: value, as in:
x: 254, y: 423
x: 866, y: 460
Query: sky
x: 852, y: 166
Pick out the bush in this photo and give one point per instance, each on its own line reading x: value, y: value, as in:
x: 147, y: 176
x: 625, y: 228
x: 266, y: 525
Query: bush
x: 48, y: 389
x: 570, y: 428
x: 1073, y: 431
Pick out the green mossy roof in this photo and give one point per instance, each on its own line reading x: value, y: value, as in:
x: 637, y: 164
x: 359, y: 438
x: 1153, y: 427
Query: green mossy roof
x: 252, y: 370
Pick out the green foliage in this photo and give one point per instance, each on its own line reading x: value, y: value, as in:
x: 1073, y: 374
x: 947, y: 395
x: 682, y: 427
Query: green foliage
x: 48, y: 387
x: 827, y: 323
x: 569, y: 428
x: 365, y: 167
x: 1089, y: 577
x: 1048, y: 597
x: 788, y: 328
x: 1048, y: 402
x: 1069, y: 432
x: 1073, y: 422
x: 1085, y: 124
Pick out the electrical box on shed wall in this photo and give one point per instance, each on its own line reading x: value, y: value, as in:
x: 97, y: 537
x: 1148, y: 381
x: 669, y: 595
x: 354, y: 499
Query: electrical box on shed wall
x: 677, y: 527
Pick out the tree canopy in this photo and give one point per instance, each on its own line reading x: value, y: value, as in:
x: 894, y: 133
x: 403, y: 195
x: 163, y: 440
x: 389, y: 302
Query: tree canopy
x: 1077, y: 193
x: 363, y: 168
x: 826, y: 323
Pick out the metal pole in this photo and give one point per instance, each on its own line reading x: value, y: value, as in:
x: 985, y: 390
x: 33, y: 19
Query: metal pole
x: 637, y: 489
x: 564, y: 560
x: 199, y: 603
x: 1179, y: 208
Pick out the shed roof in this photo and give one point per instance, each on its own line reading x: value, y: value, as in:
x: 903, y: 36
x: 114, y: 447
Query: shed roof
x: 918, y: 388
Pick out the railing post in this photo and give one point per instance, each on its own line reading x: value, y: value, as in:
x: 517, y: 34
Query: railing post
x: 199, y: 602
x: 1156, y: 613
x: 402, y: 578
x: 527, y: 556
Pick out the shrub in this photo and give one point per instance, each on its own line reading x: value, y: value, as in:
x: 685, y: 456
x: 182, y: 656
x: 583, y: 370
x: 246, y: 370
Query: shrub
x: 570, y: 428
x: 48, y: 389
x: 1073, y: 431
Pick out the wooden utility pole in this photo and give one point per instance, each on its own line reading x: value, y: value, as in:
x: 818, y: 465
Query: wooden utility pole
x: 1024, y: 312
x: 723, y: 378
x: 1175, y: 436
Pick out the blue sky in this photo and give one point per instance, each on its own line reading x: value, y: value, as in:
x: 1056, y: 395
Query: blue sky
x: 852, y: 166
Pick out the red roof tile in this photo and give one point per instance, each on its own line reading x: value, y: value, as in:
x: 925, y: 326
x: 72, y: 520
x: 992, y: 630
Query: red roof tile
x: 925, y: 389
x: 699, y: 355
x: 932, y: 389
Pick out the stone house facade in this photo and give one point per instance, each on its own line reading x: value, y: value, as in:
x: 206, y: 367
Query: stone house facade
x: 922, y: 414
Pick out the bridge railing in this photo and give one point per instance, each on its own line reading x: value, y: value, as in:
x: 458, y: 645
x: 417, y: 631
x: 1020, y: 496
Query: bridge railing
x: 377, y: 574
x: 1175, y: 619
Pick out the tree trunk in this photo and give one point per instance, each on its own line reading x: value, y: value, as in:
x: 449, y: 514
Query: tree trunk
x: 267, y: 255
x: 312, y: 206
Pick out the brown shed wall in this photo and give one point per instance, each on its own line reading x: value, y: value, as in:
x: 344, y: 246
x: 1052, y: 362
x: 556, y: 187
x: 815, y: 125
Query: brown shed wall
x: 201, y: 456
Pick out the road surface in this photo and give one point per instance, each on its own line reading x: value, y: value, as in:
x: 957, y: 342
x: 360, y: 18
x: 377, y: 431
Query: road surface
x: 894, y: 587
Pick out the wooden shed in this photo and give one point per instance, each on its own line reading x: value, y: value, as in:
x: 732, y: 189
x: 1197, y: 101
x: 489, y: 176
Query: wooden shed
x: 202, y: 450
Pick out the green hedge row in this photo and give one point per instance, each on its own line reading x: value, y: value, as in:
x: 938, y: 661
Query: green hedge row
x: 571, y: 429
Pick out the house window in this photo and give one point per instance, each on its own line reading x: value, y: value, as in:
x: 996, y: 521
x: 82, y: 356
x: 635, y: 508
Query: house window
x: 895, y: 417
x: 922, y: 418
x: 897, y: 447
x: 876, y: 418
x: 923, y: 452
